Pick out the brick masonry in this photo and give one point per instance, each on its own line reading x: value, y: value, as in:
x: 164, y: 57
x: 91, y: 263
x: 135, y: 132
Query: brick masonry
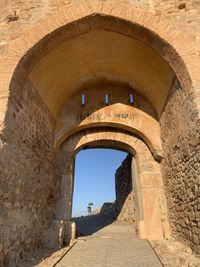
x: 19, y: 15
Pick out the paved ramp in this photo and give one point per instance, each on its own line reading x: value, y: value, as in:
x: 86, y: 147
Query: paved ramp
x: 114, y: 245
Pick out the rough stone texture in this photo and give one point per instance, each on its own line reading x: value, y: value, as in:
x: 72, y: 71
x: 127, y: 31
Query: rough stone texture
x: 175, y: 254
x: 27, y: 183
x: 45, y: 257
x: 18, y: 15
x: 124, y: 192
x: 181, y: 146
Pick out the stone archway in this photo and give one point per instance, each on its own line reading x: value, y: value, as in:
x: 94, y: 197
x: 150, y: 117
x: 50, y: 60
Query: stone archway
x: 149, y: 29
x: 152, y: 219
x: 31, y: 109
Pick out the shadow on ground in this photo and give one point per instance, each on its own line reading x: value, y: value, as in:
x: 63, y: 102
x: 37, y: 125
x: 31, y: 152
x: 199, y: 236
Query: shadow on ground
x: 88, y: 225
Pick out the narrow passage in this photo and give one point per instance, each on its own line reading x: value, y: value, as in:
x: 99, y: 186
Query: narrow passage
x: 112, y: 245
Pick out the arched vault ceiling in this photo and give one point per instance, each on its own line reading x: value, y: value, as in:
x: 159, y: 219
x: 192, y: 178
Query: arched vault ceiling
x: 58, y: 74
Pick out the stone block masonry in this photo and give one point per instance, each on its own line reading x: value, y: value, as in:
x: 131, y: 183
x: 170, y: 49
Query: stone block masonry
x: 27, y: 176
x: 163, y: 37
x: 180, y: 167
x: 124, y: 192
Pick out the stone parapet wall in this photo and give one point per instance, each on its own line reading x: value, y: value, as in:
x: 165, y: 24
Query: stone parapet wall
x: 124, y: 192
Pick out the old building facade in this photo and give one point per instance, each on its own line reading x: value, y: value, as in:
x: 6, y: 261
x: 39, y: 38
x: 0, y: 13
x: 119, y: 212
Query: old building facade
x: 143, y: 57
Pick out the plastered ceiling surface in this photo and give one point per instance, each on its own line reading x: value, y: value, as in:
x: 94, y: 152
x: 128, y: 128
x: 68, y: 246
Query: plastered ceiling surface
x: 58, y: 75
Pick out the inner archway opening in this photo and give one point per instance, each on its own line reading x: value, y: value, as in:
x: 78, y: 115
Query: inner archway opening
x: 103, y: 196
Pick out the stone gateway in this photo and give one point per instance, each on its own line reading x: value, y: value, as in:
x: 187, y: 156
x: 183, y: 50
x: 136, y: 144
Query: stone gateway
x: 114, y: 74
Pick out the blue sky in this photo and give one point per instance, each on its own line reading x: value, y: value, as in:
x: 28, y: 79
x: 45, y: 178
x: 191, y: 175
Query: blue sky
x: 95, y: 178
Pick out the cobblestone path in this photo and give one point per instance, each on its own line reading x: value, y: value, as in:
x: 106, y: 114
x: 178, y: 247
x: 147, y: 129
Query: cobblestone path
x: 114, y: 245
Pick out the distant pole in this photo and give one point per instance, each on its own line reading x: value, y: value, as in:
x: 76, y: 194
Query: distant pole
x: 89, y: 208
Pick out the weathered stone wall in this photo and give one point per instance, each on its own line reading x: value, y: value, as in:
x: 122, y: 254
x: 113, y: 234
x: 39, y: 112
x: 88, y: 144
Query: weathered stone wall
x: 15, y: 16
x: 124, y: 192
x: 27, y: 177
x: 181, y: 146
